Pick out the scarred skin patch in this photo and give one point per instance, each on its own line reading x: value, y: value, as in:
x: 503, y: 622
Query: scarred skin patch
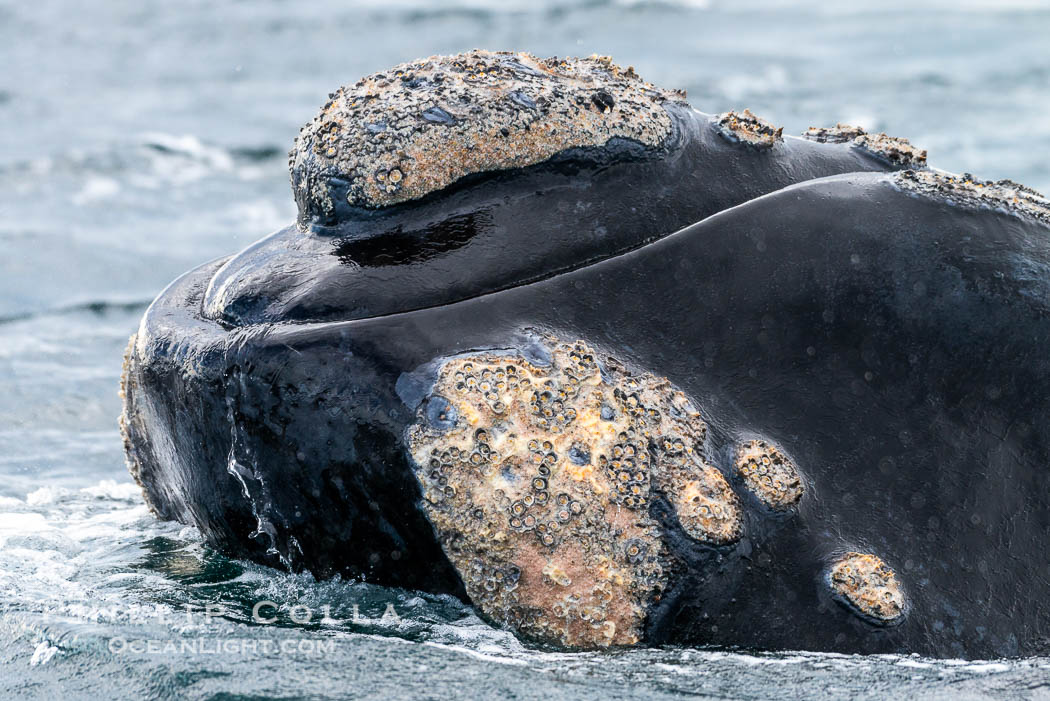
x: 968, y: 191
x: 768, y: 474
x: 868, y: 586
x: 746, y: 127
x: 538, y: 480
x: 400, y: 134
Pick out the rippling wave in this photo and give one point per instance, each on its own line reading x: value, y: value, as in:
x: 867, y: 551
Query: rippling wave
x: 94, y: 586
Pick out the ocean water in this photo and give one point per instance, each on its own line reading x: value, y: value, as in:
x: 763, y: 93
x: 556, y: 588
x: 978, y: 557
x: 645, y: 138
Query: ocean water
x: 139, y: 139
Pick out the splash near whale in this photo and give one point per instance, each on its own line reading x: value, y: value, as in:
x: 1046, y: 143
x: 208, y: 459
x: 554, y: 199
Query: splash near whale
x: 619, y: 372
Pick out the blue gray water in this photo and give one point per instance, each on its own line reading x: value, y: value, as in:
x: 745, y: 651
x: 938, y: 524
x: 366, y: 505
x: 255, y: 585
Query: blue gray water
x: 140, y: 138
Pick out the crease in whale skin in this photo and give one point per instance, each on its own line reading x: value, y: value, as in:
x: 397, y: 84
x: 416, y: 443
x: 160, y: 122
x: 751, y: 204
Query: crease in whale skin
x: 512, y: 222
x: 510, y: 228
x: 886, y: 335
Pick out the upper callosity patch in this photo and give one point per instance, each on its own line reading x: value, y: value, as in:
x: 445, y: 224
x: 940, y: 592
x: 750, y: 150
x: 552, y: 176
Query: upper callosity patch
x: 968, y: 191
x: 892, y: 149
x: 398, y: 135
x: 748, y: 128
x: 868, y: 586
x: 538, y: 480
x: 768, y: 474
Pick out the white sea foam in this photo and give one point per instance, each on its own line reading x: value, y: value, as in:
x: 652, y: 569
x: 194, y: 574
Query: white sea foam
x: 96, y: 188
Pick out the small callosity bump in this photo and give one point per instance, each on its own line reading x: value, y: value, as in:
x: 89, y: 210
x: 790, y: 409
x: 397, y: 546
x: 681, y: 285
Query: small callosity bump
x: 538, y: 478
x: 769, y: 474
x: 893, y: 149
x: 868, y: 586
x: 838, y: 134
x: 707, y: 507
x: 748, y: 128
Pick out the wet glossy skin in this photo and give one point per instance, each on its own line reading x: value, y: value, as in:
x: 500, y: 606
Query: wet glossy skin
x: 894, y: 345
x: 496, y: 230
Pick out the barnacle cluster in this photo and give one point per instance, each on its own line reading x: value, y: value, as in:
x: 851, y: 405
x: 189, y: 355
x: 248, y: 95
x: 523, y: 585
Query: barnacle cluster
x: 400, y: 134
x: 892, y: 149
x: 746, y: 127
x: 538, y: 477
x: 966, y: 190
x: 768, y: 474
x: 868, y: 585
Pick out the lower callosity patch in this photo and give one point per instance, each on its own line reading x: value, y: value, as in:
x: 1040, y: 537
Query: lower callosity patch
x: 538, y: 475
x: 869, y: 586
x: 768, y: 474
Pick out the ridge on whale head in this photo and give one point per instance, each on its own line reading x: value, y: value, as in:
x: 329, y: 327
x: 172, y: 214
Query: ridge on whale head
x: 512, y: 167
x: 617, y: 372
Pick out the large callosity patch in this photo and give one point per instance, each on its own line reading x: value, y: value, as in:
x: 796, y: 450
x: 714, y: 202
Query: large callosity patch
x: 538, y: 477
x: 400, y: 134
